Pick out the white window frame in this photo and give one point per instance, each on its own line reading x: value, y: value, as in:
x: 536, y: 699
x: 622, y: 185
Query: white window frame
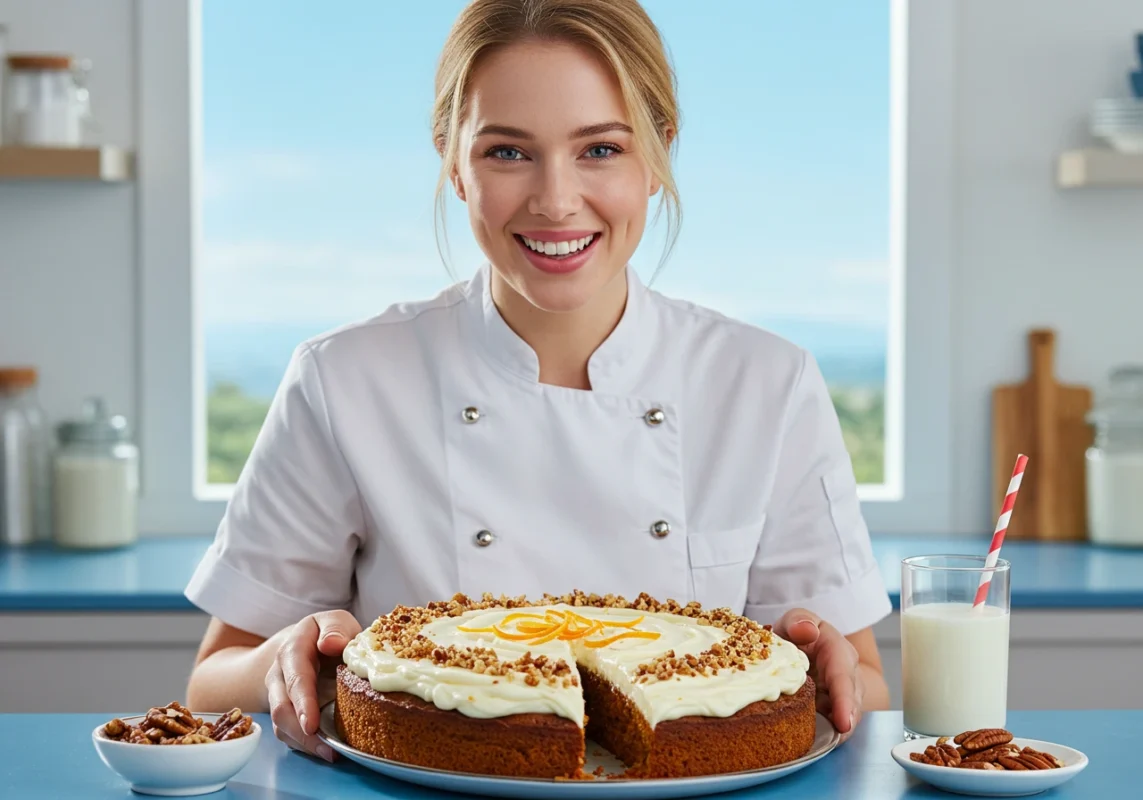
x: 916, y: 496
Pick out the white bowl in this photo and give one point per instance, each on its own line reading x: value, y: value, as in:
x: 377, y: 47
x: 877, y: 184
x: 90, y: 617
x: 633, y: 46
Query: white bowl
x: 992, y: 783
x: 176, y: 770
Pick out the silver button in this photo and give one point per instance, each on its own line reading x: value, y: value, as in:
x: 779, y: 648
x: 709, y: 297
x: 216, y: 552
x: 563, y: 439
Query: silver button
x: 484, y: 538
x: 470, y: 414
x: 660, y: 529
x: 654, y: 417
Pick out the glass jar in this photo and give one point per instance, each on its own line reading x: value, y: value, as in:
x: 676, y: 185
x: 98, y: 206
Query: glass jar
x: 25, y: 476
x: 47, y: 102
x: 1115, y: 461
x: 96, y: 471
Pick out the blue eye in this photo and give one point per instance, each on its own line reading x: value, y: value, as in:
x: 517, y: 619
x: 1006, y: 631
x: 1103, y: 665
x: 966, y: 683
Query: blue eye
x: 513, y: 154
x: 602, y: 152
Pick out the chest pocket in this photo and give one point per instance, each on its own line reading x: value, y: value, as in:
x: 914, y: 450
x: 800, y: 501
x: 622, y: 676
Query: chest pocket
x: 719, y: 565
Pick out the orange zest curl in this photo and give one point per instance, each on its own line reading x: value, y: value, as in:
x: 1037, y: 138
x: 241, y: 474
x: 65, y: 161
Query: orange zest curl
x: 562, y: 625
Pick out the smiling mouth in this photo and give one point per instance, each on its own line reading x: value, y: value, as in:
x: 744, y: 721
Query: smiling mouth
x: 558, y: 251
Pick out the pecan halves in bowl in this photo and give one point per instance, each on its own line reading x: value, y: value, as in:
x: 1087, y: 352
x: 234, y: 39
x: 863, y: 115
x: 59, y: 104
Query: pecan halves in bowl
x: 983, y: 739
x: 938, y: 755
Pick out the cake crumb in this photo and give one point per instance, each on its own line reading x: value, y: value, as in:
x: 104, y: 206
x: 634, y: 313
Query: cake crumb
x: 598, y: 771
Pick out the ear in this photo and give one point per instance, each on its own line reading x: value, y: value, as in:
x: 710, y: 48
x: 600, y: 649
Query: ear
x: 458, y: 186
x: 668, y: 138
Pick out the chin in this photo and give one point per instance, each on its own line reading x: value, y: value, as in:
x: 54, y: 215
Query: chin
x: 560, y: 295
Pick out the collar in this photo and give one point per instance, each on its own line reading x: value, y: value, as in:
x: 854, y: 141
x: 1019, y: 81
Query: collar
x: 611, y: 368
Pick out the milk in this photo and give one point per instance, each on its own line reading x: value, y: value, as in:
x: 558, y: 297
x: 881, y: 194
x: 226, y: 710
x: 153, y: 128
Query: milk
x: 954, y: 667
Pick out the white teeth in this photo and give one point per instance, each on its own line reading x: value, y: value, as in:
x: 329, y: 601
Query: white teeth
x: 558, y: 248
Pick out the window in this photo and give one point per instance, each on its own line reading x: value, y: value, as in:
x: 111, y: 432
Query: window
x: 318, y: 174
x: 302, y: 199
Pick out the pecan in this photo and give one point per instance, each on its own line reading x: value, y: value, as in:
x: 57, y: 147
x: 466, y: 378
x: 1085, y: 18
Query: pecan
x: 155, y: 734
x: 115, y: 728
x: 172, y: 720
x: 979, y: 765
x: 232, y: 725
x: 984, y: 738
x: 196, y: 738
x: 993, y: 753
x: 1037, y: 761
x: 1051, y: 759
x: 944, y: 755
x: 1012, y: 763
x: 240, y: 729
x: 942, y: 740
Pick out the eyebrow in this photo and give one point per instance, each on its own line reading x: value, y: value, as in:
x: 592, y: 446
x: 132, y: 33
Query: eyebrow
x: 578, y: 133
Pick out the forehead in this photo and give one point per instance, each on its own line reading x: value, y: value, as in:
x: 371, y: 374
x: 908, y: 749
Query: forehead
x: 544, y: 86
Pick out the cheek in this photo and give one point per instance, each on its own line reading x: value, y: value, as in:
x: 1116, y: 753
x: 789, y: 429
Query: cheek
x: 491, y: 203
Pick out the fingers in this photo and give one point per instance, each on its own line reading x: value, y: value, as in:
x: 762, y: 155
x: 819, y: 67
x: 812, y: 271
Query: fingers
x: 287, y: 726
x: 335, y: 629
x: 837, y: 666
x: 297, y: 660
x: 799, y: 626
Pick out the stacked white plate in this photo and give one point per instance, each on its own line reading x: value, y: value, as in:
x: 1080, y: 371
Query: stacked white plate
x: 1119, y: 121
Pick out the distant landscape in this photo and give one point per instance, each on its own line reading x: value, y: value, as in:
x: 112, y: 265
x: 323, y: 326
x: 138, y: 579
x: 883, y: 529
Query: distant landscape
x: 245, y: 362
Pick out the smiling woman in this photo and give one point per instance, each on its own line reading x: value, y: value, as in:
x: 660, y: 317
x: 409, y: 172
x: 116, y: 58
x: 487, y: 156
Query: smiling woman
x: 787, y: 223
x: 551, y: 424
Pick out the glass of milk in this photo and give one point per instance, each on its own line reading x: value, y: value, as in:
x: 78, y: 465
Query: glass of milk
x: 954, y: 657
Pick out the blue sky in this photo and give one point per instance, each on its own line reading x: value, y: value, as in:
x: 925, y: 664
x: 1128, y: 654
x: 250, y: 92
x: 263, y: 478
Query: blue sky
x: 318, y: 170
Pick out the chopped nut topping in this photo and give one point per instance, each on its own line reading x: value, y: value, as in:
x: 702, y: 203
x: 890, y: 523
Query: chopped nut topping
x: 399, y: 630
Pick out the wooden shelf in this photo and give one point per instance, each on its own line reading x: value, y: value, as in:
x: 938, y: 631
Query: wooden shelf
x: 107, y: 164
x: 1099, y: 167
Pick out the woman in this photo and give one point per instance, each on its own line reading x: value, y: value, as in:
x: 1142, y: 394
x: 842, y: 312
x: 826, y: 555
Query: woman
x: 549, y: 425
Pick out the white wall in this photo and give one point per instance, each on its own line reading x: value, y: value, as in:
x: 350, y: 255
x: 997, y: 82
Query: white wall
x: 67, y: 251
x: 1025, y: 253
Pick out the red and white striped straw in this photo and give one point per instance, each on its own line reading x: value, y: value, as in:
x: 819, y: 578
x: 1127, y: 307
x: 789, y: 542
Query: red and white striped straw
x: 1001, y: 529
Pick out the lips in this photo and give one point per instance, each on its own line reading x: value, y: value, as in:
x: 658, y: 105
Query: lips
x: 558, y: 264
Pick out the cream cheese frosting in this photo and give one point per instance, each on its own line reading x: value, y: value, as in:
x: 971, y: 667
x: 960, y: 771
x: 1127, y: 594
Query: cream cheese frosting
x: 622, y: 662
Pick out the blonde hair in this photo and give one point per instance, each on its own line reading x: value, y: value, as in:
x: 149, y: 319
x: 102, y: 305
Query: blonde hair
x: 619, y: 31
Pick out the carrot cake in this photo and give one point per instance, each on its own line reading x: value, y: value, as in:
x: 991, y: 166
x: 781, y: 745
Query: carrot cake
x: 507, y: 686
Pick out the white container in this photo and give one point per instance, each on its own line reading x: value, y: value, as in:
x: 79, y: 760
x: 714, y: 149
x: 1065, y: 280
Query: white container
x: 1115, y: 462
x: 954, y: 657
x: 47, y: 105
x: 177, y: 770
x: 96, y: 481
x: 25, y: 474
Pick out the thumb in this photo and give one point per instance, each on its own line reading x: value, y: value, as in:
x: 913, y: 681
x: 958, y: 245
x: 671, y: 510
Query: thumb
x: 335, y: 629
x: 799, y: 626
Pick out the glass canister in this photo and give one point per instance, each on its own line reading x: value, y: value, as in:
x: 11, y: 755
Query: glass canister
x: 96, y: 470
x: 47, y: 101
x: 25, y: 474
x: 1115, y: 461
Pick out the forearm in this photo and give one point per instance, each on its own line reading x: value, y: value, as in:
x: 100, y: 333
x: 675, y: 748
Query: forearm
x: 876, y: 689
x: 234, y: 676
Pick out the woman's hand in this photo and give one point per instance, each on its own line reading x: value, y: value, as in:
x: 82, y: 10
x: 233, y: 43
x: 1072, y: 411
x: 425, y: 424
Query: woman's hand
x: 833, y: 665
x: 302, y: 677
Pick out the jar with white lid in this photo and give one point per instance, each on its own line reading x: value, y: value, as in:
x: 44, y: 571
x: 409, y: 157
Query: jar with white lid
x: 96, y: 486
x: 1115, y: 461
x: 48, y: 104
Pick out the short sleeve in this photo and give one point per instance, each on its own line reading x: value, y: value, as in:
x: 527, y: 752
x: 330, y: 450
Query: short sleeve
x: 815, y: 551
x: 287, y: 544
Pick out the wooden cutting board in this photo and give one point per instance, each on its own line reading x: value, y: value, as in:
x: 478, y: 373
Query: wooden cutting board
x: 1043, y: 419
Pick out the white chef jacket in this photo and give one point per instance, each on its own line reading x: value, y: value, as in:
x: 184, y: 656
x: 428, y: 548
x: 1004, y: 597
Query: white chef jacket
x: 416, y: 455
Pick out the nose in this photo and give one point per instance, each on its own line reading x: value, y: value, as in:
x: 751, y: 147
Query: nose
x: 557, y: 193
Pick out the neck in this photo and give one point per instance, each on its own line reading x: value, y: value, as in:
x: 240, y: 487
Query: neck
x: 563, y: 341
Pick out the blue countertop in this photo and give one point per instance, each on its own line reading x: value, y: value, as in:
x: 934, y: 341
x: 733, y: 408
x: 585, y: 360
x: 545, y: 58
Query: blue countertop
x: 51, y: 756
x: 150, y: 576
